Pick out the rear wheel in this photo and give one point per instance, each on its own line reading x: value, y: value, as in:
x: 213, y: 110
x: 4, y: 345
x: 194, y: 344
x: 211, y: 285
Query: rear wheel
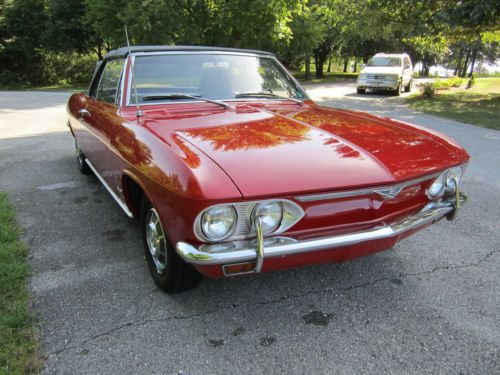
x: 360, y: 91
x: 408, y: 86
x: 167, y: 269
x: 83, y: 167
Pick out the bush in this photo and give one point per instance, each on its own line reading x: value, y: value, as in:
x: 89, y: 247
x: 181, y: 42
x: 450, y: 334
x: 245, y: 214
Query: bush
x: 41, y: 68
x: 448, y: 83
x: 61, y: 68
x: 441, y: 85
x: 455, y: 81
x: 429, y: 89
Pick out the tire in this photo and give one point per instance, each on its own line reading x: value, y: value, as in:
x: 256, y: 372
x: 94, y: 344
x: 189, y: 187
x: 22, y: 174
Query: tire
x: 80, y: 159
x: 398, y: 91
x: 169, y: 272
x: 360, y: 91
x: 408, y: 86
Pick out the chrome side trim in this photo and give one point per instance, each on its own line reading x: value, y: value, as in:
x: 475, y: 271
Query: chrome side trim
x: 382, y: 191
x: 245, y: 251
x: 121, y: 203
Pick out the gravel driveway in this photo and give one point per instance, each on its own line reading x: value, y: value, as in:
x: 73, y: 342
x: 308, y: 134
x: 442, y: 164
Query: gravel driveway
x: 429, y: 306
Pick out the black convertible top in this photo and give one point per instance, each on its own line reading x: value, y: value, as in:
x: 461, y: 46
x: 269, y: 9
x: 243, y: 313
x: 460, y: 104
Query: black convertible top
x: 123, y: 51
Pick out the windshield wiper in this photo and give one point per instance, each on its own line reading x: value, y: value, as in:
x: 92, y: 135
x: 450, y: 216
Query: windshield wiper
x: 177, y: 96
x: 266, y: 95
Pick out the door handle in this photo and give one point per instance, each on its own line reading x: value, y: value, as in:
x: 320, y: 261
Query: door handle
x: 84, y: 113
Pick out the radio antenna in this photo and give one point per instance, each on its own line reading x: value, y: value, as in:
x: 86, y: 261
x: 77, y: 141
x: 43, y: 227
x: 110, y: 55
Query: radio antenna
x: 138, y: 111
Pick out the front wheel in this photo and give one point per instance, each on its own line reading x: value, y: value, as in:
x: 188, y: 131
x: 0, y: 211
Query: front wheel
x: 167, y: 269
x: 360, y: 91
x: 399, y: 89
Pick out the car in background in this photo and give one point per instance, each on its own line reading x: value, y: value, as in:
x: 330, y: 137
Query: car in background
x: 231, y: 169
x: 393, y: 72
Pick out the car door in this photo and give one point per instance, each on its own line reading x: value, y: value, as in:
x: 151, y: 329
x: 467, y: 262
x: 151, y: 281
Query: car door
x: 102, y: 119
x: 407, y: 71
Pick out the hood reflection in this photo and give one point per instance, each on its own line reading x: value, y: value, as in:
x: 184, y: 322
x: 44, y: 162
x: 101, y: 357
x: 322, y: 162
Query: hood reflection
x: 252, y: 135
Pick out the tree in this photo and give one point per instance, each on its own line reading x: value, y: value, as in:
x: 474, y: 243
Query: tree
x: 23, y: 24
x: 68, y: 30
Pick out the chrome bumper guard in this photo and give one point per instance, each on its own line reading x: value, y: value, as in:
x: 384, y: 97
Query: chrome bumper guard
x: 257, y: 249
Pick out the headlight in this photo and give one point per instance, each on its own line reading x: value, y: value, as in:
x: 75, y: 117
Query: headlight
x: 453, y: 177
x: 362, y: 76
x: 394, y: 76
x: 236, y: 221
x: 446, y: 183
x: 270, y: 214
x: 217, y: 223
x: 437, y: 188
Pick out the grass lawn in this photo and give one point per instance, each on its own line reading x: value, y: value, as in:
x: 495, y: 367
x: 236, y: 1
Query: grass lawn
x: 479, y: 105
x: 19, y: 346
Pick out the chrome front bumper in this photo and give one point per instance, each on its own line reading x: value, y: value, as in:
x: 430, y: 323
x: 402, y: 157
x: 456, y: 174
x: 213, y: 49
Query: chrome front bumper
x: 258, y: 249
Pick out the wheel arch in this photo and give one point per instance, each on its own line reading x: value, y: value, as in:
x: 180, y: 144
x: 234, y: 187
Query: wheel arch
x: 133, y: 191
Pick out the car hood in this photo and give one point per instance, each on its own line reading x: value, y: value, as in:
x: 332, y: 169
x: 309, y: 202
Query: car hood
x: 277, y: 151
x: 382, y: 69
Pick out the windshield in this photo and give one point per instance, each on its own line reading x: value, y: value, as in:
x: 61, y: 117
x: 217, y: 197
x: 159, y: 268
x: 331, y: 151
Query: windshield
x: 166, y: 78
x: 384, y: 61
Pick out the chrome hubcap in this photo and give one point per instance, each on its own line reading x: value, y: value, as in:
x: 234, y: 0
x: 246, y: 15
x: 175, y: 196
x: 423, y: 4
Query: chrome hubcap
x: 155, y: 238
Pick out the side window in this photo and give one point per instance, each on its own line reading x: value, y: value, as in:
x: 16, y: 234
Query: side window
x: 407, y: 62
x: 110, y: 81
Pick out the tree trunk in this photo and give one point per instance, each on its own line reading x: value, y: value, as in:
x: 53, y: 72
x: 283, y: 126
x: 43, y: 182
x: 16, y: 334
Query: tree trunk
x: 473, y: 62
x: 308, y: 66
x: 346, y: 61
x: 320, y: 63
x: 425, y: 68
x: 329, y: 65
x: 466, y: 64
x: 459, y: 63
x: 355, y: 65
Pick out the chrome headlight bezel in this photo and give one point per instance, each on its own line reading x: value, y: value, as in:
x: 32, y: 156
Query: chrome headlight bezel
x: 245, y: 224
x: 446, y: 183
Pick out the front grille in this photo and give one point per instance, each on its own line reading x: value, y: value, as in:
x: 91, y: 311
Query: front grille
x: 380, y: 76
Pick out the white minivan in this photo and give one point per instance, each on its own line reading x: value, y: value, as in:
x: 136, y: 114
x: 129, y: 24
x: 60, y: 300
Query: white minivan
x: 392, y: 72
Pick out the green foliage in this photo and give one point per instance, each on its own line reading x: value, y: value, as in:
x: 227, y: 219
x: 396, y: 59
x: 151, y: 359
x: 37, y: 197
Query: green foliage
x: 447, y: 32
x: 73, y: 67
x: 445, y: 84
x: 429, y: 89
x: 18, y: 343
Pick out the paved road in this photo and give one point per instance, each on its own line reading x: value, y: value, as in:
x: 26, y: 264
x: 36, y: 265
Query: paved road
x: 429, y: 306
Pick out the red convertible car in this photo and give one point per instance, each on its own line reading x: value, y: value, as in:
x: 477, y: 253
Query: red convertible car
x: 231, y: 169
